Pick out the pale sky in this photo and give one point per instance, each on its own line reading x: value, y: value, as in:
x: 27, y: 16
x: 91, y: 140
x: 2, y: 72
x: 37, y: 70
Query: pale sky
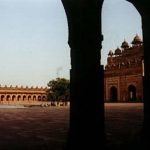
x: 34, y: 35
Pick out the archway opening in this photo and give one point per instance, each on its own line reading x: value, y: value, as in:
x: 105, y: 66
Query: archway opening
x: 122, y: 58
x: 24, y: 98
x: 2, y: 98
x: 39, y: 98
x: 34, y: 98
x: 132, y: 93
x: 13, y: 98
x: 29, y: 98
x: 113, y: 94
x: 19, y: 98
x: 122, y: 47
x: 8, y: 98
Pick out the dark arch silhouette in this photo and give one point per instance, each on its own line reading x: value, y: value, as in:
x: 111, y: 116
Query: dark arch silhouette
x: 39, y: 98
x: 19, y: 97
x: 132, y: 93
x: 13, y: 98
x: 8, y: 97
x: 34, y: 98
x: 86, y: 130
x: 113, y: 94
x: 24, y: 97
x: 2, y: 97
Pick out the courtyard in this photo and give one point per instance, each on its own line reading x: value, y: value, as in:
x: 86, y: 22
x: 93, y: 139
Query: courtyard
x: 45, y: 128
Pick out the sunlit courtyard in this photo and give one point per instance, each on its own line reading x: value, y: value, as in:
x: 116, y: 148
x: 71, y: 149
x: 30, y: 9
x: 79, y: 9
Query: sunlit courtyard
x: 38, y: 128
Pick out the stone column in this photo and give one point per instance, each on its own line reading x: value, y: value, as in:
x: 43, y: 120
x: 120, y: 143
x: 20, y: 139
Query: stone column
x: 86, y: 75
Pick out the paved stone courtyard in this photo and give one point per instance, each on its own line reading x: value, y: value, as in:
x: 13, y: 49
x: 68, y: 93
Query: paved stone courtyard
x: 38, y: 128
x: 123, y: 125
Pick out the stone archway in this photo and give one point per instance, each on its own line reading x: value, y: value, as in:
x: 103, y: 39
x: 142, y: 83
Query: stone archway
x: 34, y: 97
x: 24, y: 97
x: 18, y: 97
x: 132, y: 93
x: 85, y: 42
x: 2, y: 97
x: 113, y: 94
x: 8, y: 98
x: 39, y: 98
x: 43, y: 98
x: 29, y: 98
x: 13, y: 97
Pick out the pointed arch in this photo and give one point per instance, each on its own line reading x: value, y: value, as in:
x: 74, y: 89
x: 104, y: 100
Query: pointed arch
x: 132, y: 93
x: 113, y: 94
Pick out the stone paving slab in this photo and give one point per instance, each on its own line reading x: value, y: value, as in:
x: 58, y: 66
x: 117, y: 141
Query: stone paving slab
x: 123, y: 125
x: 38, y: 128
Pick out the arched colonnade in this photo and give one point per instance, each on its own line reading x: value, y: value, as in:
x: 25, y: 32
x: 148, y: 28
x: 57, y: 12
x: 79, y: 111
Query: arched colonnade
x: 21, y: 95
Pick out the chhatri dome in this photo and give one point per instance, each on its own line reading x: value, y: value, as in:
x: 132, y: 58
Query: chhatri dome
x: 137, y: 40
x: 124, y: 45
x: 118, y: 51
x: 110, y: 53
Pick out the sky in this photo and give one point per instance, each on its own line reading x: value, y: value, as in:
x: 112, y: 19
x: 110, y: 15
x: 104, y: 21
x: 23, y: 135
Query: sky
x: 34, y: 35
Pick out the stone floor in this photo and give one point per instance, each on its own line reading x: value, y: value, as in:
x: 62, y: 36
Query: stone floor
x: 123, y: 125
x: 45, y: 128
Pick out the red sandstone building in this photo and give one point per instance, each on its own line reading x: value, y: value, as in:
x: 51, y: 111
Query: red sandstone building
x: 22, y: 95
x: 124, y: 72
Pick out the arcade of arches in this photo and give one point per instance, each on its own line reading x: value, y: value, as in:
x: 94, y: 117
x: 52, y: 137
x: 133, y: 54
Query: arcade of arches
x: 124, y: 73
x: 22, y: 95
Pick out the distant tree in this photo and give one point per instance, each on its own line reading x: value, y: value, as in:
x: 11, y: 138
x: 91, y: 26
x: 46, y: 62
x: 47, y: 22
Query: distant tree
x: 59, y: 90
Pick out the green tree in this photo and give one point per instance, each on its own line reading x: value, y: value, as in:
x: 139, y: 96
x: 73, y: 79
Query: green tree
x: 59, y: 90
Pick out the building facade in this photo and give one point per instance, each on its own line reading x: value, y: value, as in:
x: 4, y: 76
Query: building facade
x: 22, y: 95
x: 124, y: 73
